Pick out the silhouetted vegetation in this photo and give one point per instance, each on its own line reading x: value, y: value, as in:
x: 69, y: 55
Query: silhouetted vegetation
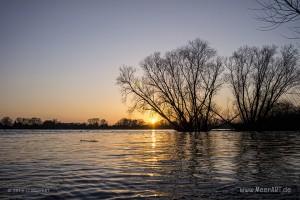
x: 96, y: 123
x: 283, y: 116
x: 277, y: 12
x: 181, y: 85
x: 259, y: 78
x: 178, y: 86
x: 93, y: 123
x: 130, y: 123
x: 6, y: 122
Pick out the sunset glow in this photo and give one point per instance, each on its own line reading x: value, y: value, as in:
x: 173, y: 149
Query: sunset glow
x: 61, y: 60
x: 153, y: 120
x: 149, y: 99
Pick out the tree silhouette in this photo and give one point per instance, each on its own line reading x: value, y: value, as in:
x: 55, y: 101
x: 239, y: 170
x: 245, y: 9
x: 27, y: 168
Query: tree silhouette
x: 6, y: 122
x: 277, y: 12
x: 258, y: 78
x: 103, y: 123
x: 129, y: 123
x: 178, y: 86
x: 95, y: 122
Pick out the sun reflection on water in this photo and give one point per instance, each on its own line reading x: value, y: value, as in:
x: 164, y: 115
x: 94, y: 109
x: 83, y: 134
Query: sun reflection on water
x: 153, y: 137
x: 147, y: 163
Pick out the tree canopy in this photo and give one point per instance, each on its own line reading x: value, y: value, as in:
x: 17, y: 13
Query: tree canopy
x: 259, y: 77
x: 178, y: 86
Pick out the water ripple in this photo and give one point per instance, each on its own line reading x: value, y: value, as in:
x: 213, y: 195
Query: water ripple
x: 147, y: 164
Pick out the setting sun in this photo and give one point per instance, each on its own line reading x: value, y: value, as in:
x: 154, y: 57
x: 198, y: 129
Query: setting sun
x: 141, y: 99
x: 153, y: 120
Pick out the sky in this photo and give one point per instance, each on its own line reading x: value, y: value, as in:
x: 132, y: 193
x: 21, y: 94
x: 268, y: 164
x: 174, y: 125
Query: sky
x: 60, y: 58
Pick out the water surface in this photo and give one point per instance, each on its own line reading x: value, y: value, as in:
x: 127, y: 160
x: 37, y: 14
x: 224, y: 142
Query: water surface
x: 151, y: 164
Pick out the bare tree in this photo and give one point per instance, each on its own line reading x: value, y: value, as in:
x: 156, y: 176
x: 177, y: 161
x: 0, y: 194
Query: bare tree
x: 178, y: 86
x: 28, y: 121
x: 103, y: 123
x: 130, y: 123
x: 94, y: 122
x: 6, y: 122
x: 259, y: 77
x: 277, y: 12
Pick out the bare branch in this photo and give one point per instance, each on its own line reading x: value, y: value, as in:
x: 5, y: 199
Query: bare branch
x: 179, y: 86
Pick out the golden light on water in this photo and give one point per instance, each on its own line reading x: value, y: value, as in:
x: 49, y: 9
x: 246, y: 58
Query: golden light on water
x: 153, y: 138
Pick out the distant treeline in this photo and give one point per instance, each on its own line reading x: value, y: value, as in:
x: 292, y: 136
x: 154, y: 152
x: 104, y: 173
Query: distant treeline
x: 284, y: 116
x: 94, y: 123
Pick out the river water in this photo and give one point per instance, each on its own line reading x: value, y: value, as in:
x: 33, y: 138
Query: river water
x: 149, y: 164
